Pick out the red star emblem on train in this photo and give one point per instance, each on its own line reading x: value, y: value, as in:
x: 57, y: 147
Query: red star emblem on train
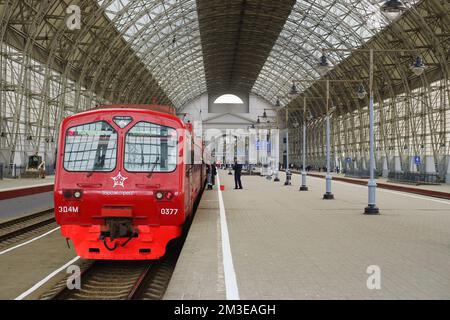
x: 119, y: 180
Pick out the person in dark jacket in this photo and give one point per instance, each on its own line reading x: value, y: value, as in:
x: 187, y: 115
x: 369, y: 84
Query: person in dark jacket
x: 209, y: 175
x: 237, y: 167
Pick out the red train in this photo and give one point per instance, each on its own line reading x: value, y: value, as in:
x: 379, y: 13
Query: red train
x: 126, y: 181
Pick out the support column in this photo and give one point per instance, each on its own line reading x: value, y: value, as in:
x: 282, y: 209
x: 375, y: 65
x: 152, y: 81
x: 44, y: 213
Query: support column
x: 430, y: 166
x: 385, y: 172
x: 447, y: 175
x: 372, y: 185
x: 303, y: 187
x: 397, y: 164
x: 328, y: 194
x: 275, y: 151
x: 412, y: 164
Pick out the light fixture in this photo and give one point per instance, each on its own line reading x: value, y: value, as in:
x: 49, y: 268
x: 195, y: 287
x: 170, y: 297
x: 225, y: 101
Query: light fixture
x: 252, y: 126
x: 361, y: 92
x: 392, y: 9
x: 294, y: 91
x: 258, y: 121
x: 418, y: 67
x: 323, y: 65
x: 278, y: 104
x: 264, y: 114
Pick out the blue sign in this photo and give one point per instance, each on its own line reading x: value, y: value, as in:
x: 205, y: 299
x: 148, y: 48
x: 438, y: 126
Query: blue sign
x: 417, y: 160
x: 348, y: 160
x: 262, y: 144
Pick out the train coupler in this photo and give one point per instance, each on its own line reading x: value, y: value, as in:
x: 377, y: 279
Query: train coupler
x: 118, y: 228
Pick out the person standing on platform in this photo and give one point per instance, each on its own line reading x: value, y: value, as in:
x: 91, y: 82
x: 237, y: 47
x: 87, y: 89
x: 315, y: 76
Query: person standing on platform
x: 237, y: 167
x: 211, y: 172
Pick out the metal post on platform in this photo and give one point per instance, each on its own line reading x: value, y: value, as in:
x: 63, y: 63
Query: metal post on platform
x: 303, y: 187
x: 372, y: 185
x: 275, y: 147
x: 328, y: 194
x: 288, y: 171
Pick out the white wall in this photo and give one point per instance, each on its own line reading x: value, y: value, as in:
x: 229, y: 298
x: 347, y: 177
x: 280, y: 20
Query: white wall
x: 226, y: 120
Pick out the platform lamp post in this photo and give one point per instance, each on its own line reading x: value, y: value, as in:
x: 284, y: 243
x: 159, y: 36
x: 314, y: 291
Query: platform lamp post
x: 324, y: 65
x: 268, y: 141
x: 304, y: 174
x: 277, y: 149
x: 304, y: 187
x: 292, y: 93
x: 265, y: 116
x: 275, y: 146
x: 288, y: 171
x: 417, y: 68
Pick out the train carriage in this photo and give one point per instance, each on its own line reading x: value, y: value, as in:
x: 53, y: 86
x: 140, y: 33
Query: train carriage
x: 126, y: 181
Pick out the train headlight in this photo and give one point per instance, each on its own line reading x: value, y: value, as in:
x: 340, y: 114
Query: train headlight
x: 77, y: 194
x: 159, y: 195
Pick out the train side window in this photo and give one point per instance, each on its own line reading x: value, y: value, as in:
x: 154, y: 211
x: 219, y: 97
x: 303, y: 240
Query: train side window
x: 90, y: 147
x: 150, y: 147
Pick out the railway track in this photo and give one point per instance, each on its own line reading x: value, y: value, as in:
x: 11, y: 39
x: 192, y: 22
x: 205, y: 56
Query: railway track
x: 21, y: 228
x: 123, y: 280
x: 118, y: 280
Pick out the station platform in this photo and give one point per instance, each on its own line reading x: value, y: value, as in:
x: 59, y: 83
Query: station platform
x: 20, y: 197
x: 26, y: 183
x: 288, y: 244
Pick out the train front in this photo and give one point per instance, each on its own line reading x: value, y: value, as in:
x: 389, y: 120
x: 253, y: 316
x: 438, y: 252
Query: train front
x: 118, y: 185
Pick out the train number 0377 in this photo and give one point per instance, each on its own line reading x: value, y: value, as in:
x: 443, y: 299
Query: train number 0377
x: 169, y: 211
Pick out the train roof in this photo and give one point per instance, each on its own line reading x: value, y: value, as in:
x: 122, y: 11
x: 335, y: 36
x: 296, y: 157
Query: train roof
x: 151, y: 107
x: 160, y: 110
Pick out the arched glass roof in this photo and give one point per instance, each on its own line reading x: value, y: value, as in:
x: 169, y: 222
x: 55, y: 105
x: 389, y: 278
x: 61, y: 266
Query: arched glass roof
x: 166, y: 36
x: 311, y: 26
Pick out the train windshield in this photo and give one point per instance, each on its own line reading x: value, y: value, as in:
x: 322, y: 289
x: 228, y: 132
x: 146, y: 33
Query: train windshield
x: 90, y: 147
x: 150, y: 147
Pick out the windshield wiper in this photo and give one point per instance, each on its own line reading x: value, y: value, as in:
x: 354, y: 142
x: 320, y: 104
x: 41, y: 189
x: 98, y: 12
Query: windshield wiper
x: 153, y: 168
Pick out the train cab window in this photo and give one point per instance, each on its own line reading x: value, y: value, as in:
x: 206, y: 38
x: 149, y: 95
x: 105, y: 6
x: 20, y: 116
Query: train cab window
x: 90, y: 147
x: 150, y: 147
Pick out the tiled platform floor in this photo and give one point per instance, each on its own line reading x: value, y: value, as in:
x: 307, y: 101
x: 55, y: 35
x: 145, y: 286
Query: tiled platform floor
x: 288, y: 244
